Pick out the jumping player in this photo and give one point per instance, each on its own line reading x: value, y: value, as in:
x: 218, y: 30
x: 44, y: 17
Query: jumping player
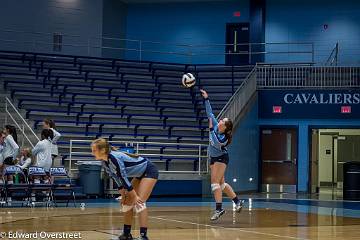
x: 220, y: 137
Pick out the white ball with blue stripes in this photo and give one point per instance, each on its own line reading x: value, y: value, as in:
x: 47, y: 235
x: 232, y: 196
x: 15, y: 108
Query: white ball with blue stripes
x: 188, y: 80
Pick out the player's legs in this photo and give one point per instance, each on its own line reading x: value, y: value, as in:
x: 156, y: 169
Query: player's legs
x: 146, y: 186
x: 217, y: 172
x: 128, y: 216
x: 228, y: 190
x: 144, y: 191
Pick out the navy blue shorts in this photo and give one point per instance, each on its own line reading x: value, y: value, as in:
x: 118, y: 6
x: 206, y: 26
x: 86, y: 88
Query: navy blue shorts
x: 222, y: 159
x: 151, y: 171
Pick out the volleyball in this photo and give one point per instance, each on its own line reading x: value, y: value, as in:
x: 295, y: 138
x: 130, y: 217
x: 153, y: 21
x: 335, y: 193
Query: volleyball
x: 188, y: 80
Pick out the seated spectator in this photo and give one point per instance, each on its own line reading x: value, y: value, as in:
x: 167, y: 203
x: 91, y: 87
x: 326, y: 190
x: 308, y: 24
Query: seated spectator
x: 25, y: 160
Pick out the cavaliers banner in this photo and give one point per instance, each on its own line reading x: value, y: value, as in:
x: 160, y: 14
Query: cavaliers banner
x: 309, y: 104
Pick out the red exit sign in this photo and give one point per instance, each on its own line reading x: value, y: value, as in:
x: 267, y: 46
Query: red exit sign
x: 346, y: 109
x: 277, y: 109
x: 237, y: 14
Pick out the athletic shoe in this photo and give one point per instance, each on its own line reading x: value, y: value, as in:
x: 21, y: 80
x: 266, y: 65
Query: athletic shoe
x: 239, y: 206
x: 141, y: 238
x: 125, y: 237
x: 217, y: 214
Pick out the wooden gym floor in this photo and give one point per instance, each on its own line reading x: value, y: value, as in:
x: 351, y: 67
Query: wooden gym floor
x: 186, y: 222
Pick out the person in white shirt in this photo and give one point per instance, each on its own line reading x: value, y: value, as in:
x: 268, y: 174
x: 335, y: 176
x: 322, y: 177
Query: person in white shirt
x: 50, y: 124
x: 25, y: 159
x: 2, y: 138
x: 9, y: 152
x: 10, y: 146
x: 42, y: 150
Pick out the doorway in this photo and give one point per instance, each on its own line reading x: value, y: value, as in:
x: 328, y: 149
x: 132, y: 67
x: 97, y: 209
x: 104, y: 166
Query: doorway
x: 330, y: 149
x: 278, y: 160
x: 237, y: 44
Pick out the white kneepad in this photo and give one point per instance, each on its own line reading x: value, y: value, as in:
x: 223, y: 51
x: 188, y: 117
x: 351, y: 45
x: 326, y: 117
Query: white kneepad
x: 126, y: 208
x: 223, y: 186
x: 140, y: 207
x: 215, y: 186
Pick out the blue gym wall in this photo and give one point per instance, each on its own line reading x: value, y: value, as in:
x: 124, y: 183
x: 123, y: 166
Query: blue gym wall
x: 244, y: 153
x: 196, y: 23
x: 304, y: 20
x: 187, y: 22
x: 257, y: 29
x: 114, y: 28
x: 309, y: 118
x: 81, y: 19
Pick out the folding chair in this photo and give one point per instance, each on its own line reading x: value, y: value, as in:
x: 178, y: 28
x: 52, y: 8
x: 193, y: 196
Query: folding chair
x: 61, y: 181
x: 18, y: 188
x: 37, y: 184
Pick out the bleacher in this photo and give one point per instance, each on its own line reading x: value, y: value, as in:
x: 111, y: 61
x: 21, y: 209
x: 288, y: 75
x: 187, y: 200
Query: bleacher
x: 121, y: 100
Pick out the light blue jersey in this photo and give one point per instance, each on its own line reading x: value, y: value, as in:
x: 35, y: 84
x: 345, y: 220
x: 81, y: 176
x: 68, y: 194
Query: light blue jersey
x: 218, y: 140
x: 120, y: 166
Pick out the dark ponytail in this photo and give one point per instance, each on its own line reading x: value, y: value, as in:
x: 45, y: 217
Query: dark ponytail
x: 12, y: 131
x: 47, y: 134
x: 228, y: 131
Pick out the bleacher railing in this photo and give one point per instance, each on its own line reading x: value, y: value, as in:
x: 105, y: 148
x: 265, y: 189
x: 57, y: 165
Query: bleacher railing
x: 136, y: 49
x: 241, y: 97
x: 21, y: 124
x: 333, y: 59
x: 284, y: 76
x: 307, y: 76
x: 198, y: 157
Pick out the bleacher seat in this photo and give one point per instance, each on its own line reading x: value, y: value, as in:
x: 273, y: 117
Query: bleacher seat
x: 92, y: 97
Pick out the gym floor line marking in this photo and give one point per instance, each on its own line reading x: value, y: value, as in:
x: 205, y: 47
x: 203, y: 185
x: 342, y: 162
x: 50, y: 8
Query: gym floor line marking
x: 99, y: 231
x: 234, y: 229
x: 54, y: 216
x: 19, y: 220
